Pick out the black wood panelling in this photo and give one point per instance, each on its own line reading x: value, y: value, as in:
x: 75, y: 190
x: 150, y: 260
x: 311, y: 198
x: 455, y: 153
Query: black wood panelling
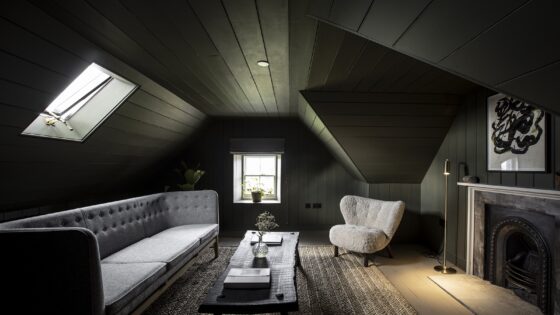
x: 396, y: 136
x: 466, y: 143
x: 310, y: 174
x: 39, y: 56
x: 503, y: 45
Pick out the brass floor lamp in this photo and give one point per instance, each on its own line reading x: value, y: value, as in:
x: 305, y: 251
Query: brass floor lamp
x: 443, y: 267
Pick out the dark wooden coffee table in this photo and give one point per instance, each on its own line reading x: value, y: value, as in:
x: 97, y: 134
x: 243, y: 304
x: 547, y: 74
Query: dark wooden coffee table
x: 282, y: 294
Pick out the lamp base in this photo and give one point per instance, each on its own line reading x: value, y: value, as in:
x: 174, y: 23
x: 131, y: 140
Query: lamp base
x: 445, y: 270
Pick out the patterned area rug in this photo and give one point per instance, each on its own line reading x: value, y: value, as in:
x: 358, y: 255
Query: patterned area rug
x: 326, y: 285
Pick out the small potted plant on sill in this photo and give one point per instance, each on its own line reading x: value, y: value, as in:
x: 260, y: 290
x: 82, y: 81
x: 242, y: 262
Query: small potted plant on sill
x: 266, y: 222
x: 257, y: 194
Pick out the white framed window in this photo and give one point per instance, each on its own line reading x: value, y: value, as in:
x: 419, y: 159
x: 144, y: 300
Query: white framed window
x: 82, y: 106
x: 257, y: 172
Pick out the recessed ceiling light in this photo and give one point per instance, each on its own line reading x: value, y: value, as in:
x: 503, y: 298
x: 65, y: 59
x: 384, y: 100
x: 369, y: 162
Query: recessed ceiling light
x: 263, y: 63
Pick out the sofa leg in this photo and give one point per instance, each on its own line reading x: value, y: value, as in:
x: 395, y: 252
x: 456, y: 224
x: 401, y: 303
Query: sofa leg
x: 216, y: 248
x: 389, y: 251
x: 335, y: 250
x: 366, y: 260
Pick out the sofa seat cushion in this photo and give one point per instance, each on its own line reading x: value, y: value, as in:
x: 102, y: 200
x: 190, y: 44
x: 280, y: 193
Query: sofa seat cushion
x: 164, y: 250
x: 123, y: 282
x: 357, y: 238
x: 201, y: 232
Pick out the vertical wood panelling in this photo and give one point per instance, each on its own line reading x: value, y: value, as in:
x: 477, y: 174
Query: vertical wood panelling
x: 310, y: 174
x: 466, y: 143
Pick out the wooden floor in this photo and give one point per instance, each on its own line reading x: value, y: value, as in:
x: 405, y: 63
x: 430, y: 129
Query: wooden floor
x: 408, y: 272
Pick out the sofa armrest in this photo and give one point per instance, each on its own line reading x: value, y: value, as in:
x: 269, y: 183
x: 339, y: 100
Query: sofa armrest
x: 192, y: 207
x: 51, y: 271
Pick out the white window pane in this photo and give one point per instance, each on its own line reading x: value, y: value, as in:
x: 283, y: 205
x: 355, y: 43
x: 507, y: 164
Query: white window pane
x: 268, y: 165
x: 252, y: 165
x: 267, y: 183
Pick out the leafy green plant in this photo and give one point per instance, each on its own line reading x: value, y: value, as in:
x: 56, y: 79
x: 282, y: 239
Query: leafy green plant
x: 190, y: 176
x: 265, y: 222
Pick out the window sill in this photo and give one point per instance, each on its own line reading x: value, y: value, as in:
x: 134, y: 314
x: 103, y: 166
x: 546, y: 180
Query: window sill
x: 264, y: 201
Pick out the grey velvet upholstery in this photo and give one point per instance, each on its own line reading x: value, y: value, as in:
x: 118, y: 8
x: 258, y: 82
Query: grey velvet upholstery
x: 136, y: 244
x: 150, y: 250
x: 370, y: 224
x: 123, y: 282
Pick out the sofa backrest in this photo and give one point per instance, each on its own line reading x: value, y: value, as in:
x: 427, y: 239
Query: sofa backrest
x: 119, y: 224
x: 71, y: 218
x: 195, y: 207
x: 372, y: 213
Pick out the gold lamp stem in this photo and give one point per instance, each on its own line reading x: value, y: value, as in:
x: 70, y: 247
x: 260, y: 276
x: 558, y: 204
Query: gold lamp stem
x: 443, y: 267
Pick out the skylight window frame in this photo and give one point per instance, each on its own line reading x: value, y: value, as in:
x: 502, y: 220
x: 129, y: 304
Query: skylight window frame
x: 123, y: 87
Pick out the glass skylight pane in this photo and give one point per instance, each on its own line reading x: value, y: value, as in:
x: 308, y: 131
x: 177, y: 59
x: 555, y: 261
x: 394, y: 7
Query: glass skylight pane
x: 85, y: 83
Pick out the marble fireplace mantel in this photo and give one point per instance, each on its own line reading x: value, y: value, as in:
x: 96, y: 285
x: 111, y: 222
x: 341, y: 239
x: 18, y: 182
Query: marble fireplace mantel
x: 473, y: 190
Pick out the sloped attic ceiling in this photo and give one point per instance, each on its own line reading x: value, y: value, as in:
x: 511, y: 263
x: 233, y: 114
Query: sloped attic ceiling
x: 507, y: 46
x: 206, y: 52
x: 39, y: 57
x: 388, y: 111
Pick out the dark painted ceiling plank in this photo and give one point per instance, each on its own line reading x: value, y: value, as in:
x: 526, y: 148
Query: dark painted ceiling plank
x: 181, y: 15
x: 148, y: 101
x: 26, y: 45
x: 345, y: 61
x: 188, y: 62
x: 328, y: 42
x: 302, y: 36
x: 392, y: 72
x: 518, y: 44
x: 353, y: 97
x: 22, y: 96
x: 150, y: 117
x: 381, y: 121
x: 26, y: 73
x: 274, y: 19
x: 385, y: 109
x: 387, y: 20
x: 415, y: 73
x: 390, y: 132
x: 349, y: 14
x: 321, y: 8
x: 539, y: 88
x: 98, y: 23
x: 368, y: 60
x: 213, y: 17
x: 245, y: 22
x: 119, y: 14
x: 446, y: 25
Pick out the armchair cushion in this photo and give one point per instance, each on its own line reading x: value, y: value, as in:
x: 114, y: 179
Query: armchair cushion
x: 357, y: 238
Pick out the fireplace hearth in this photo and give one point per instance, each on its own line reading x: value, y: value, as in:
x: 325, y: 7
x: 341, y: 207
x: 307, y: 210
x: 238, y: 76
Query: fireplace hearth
x: 517, y: 253
x: 513, y: 241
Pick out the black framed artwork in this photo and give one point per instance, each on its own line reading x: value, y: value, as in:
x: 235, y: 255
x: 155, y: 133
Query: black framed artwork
x: 517, y: 135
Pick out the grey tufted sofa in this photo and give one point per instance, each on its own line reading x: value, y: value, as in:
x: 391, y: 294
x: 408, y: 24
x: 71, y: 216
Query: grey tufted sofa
x: 113, y: 258
x: 370, y: 225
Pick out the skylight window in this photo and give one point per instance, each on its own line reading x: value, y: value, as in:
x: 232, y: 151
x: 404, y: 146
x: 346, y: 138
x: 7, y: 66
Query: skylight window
x: 83, y: 105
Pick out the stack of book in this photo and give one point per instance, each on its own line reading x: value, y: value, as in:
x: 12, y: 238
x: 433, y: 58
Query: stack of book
x: 268, y: 239
x: 247, y: 278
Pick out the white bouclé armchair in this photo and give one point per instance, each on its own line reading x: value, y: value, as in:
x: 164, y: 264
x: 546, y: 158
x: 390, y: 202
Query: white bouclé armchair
x: 370, y: 225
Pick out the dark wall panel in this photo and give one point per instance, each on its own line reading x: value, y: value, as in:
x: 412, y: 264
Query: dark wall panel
x: 39, y: 56
x: 465, y: 144
x: 309, y: 174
